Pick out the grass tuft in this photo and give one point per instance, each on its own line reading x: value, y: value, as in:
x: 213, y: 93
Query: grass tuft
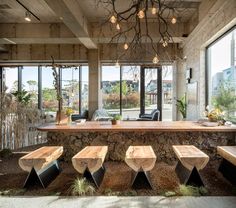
x: 169, y: 193
x: 82, y: 187
x: 191, y: 190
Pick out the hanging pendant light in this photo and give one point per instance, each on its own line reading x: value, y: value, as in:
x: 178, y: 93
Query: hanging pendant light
x: 155, y: 60
x: 27, y: 16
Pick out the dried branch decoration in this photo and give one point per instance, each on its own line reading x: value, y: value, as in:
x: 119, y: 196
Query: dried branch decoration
x: 133, y: 24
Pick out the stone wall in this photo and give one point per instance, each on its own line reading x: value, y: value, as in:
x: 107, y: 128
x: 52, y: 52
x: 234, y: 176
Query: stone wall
x: 118, y: 142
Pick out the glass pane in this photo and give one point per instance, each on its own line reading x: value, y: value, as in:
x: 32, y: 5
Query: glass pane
x: 222, y: 76
x: 130, y: 92
x: 70, y: 88
x: 49, y: 95
x: 84, y: 92
x: 111, y: 89
x: 167, y: 77
x: 11, y: 79
x: 150, y: 89
x: 30, y: 81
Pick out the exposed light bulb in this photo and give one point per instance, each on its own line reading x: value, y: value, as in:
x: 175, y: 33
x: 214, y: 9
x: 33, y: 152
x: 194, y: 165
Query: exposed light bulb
x: 154, y: 10
x: 113, y: 19
x: 141, y: 14
x: 126, y: 46
x: 173, y: 20
x: 72, y: 94
x: 27, y: 16
x: 155, y: 60
x: 117, y: 64
x: 165, y: 43
x: 118, y: 26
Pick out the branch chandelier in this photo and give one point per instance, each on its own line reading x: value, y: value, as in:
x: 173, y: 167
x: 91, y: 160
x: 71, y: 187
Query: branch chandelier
x: 136, y: 22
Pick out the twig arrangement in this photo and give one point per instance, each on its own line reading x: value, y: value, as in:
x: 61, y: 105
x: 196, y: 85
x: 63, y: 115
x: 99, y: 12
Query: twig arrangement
x: 133, y: 25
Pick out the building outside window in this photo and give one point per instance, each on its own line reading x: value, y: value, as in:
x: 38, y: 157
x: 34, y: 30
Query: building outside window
x: 221, y: 60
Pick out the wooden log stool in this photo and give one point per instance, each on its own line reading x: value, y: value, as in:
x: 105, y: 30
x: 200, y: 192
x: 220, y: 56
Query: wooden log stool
x: 42, y: 165
x: 191, y: 160
x: 141, y: 159
x: 89, y: 162
x: 228, y: 164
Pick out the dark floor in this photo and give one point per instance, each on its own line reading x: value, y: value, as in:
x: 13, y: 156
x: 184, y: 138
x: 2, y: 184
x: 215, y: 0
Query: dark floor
x: 117, y: 178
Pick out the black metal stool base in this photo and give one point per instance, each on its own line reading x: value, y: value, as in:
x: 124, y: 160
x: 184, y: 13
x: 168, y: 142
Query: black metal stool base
x: 188, y: 177
x: 95, y: 177
x: 141, y: 180
x: 43, y: 177
x: 228, y: 170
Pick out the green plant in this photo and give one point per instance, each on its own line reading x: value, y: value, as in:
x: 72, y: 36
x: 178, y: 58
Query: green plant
x: 117, y: 117
x: 182, y: 106
x: 82, y: 187
x: 109, y: 192
x: 22, y: 96
x: 191, y: 190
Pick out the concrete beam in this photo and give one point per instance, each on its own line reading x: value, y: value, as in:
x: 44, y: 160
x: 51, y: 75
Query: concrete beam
x: 70, y: 13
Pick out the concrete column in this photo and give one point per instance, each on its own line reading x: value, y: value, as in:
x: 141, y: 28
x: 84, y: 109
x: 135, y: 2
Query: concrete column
x: 94, y: 81
x: 180, y: 79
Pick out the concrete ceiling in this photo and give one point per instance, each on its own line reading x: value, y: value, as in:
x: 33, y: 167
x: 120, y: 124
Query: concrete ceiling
x: 70, y: 21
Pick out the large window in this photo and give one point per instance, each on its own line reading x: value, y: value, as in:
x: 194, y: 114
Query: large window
x: 111, y: 89
x: 121, y: 90
x: 30, y: 81
x: 130, y: 91
x: 49, y: 95
x: 75, y: 88
x: 10, y: 78
x: 39, y: 82
x: 221, y: 60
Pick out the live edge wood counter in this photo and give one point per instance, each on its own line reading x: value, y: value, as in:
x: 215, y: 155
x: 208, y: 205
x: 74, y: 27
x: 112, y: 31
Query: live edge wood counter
x: 160, y: 135
x: 170, y: 126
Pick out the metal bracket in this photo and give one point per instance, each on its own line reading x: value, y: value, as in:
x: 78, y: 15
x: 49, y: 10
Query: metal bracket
x: 141, y: 180
x: 43, y: 177
x: 228, y: 170
x: 188, y: 177
x: 95, y: 177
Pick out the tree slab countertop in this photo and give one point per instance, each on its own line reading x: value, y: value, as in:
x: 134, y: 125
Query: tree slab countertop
x: 175, y: 126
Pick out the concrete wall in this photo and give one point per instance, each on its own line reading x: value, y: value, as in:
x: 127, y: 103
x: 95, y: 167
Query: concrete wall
x: 217, y: 20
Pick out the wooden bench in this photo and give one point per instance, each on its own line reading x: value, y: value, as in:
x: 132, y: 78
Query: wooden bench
x: 89, y: 162
x: 228, y: 164
x: 42, y: 165
x: 141, y: 159
x: 191, y: 161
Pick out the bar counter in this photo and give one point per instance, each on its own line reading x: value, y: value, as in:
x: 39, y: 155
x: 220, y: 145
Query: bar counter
x: 169, y: 126
x: 160, y: 135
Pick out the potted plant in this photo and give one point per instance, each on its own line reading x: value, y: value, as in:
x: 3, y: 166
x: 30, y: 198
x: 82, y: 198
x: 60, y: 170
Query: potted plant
x: 116, y: 119
x: 182, y: 106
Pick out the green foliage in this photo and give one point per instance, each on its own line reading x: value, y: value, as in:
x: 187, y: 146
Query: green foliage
x: 225, y: 100
x: 169, y: 193
x: 5, y: 153
x: 22, y: 96
x: 192, y: 190
x: 12, y: 192
x: 182, y: 106
x: 129, y: 193
x: 117, y: 117
x: 82, y: 187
